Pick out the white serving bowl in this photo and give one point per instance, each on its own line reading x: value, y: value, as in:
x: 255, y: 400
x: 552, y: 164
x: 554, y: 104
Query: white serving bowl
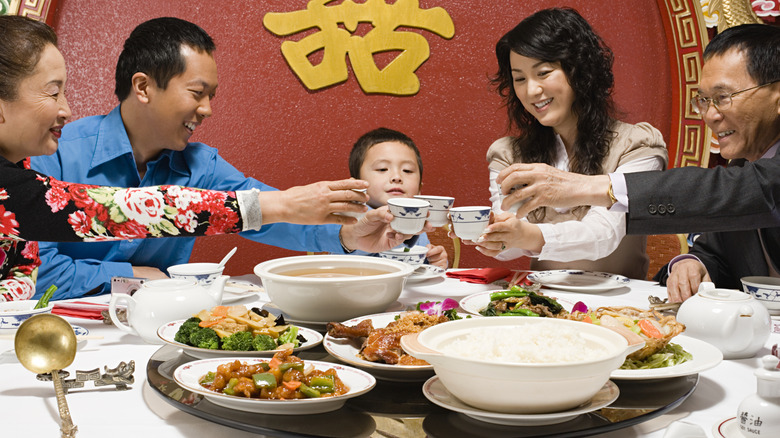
x: 414, y: 256
x: 325, y: 299
x: 14, y: 313
x: 498, y: 385
x: 764, y: 289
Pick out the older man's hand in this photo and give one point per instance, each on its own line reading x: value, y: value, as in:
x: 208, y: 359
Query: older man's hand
x: 315, y: 203
x: 540, y: 185
x: 684, y: 279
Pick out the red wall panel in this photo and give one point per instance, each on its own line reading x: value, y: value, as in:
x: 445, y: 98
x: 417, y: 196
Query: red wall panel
x: 270, y: 127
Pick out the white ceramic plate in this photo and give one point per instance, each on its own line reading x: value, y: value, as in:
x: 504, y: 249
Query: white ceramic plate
x: 425, y: 272
x: 346, y: 350
x: 579, y: 281
x: 705, y: 356
x: 728, y: 428
x: 167, y: 332
x: 359, y: 382
x: 475, y: 302
x: 238, y: 290
x: 435, y: 391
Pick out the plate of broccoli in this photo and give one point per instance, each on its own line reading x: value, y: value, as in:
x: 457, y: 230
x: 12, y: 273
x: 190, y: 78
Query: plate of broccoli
x: 205, y: 342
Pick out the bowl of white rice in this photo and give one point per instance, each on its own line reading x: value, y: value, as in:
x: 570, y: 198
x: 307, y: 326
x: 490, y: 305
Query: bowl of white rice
x: 521, y: 365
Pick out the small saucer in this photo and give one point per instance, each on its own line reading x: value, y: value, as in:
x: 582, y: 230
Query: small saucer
x: 728, y: 428
x: 435, y: 391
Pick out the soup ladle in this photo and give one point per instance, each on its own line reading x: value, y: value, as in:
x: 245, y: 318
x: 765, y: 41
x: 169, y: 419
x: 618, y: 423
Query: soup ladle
x: 46, y: 343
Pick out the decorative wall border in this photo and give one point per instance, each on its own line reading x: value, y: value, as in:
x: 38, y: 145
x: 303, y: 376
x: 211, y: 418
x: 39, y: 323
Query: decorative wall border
x: 41, y: 10
x: 686, y: 37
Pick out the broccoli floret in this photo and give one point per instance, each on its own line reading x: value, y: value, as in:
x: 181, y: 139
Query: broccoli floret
x: 290, y: 336
x: 264, y: 343
x: 239, y: 341
x: 204, y: 337
x: 183, y: 335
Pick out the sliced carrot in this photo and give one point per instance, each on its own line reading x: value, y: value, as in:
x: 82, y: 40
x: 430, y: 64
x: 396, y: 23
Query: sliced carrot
x: 587, y: 319
x: 292, y: 385
x: 649, y: 329
x: 210, y: 322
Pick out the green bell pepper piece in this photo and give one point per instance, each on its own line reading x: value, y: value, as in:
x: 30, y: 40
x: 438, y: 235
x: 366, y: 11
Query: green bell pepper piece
x: 229, y: 388
x: 308, y: 391
x: 323, y: 384
x: 294, y: 365
x: 264, y: 380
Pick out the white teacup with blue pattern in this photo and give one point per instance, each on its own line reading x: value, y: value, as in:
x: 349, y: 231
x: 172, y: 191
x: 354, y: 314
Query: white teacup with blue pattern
x: 469, y: 222
x: 409, y: 214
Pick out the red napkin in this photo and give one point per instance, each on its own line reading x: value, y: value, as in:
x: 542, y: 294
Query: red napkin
x: 481, y: 276
x: 79, y: 309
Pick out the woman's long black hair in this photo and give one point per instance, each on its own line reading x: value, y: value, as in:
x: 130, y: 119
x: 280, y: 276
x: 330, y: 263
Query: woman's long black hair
x: 561, y: 35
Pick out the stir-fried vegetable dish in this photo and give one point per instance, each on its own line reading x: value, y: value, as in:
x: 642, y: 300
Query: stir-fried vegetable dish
x: 519, y: 301
x: 237, y: 329
x: 284, y: 377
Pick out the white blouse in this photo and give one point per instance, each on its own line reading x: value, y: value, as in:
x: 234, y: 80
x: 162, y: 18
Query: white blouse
x: 594, y: 237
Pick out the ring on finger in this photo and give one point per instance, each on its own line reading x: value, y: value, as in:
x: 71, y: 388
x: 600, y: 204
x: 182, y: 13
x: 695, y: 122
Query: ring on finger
x: 503, y: 246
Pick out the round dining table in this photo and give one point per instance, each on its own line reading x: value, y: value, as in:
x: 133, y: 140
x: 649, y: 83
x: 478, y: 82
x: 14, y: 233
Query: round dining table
x: 28, y: 406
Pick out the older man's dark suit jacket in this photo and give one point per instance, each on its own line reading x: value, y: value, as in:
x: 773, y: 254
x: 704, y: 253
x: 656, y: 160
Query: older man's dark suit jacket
x: 694, y: 199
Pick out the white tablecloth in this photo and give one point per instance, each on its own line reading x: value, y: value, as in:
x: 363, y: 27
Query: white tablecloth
x: 28, y: 407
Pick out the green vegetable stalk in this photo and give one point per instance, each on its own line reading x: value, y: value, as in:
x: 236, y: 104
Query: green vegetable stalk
x: 44, y: 301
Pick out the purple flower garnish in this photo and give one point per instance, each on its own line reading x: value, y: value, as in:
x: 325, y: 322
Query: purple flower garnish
x: 437, y: 307
x: 579, y: 306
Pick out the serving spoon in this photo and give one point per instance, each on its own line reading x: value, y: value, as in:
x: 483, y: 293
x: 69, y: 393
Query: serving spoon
x: 227, y: 257
x: 46, y: 343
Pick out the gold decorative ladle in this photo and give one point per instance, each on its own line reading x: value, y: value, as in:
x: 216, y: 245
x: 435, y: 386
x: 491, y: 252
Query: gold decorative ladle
x: 46, y: 343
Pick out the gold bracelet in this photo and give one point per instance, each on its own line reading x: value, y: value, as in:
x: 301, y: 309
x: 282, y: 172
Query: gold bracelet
x: 611, y: 194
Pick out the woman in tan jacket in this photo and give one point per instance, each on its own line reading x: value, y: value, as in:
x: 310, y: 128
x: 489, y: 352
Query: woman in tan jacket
x: 555, y: 75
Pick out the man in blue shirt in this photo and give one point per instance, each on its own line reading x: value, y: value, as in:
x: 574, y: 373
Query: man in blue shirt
x: 166, y: 77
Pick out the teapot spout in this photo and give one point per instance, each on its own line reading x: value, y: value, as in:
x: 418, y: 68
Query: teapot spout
x: 217, y: 287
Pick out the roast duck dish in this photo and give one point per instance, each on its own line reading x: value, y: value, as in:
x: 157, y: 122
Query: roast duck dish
x: 383, y: 345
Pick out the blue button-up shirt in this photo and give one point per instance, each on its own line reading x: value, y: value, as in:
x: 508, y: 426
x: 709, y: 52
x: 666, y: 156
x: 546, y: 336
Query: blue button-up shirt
x: 96, y: 150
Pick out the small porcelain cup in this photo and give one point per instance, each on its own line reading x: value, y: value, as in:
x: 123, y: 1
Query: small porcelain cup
x: 203, y: 273
x: 356, y: 215
x: 469, y: 222
x: 440, y: 206
x: 516, y: 206
x: 409, y: 214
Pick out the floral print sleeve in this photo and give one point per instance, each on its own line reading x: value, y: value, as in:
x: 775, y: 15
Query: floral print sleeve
x: 36, y: 207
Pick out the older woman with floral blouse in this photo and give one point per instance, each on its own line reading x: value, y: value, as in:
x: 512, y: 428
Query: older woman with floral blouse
x: 33, y: 110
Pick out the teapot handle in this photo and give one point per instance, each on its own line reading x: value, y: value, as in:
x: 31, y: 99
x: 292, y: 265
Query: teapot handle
x: 115, y: 299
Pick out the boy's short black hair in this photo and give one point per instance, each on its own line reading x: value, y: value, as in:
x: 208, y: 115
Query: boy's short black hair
x: 371, y: 138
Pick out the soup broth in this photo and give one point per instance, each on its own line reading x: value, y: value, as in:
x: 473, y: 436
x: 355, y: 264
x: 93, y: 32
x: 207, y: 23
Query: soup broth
x: 334, y: 272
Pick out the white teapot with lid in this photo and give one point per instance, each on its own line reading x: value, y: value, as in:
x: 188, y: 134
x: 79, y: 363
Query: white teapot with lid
x: 161, y: 301
x: 733, y: 321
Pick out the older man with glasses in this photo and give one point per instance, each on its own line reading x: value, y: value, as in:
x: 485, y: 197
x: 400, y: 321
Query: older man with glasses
x: 739, y: 99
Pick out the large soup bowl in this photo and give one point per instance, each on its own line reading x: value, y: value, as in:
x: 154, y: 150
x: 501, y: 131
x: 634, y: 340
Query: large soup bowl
x: 546, y: 365
x: 360, y: 285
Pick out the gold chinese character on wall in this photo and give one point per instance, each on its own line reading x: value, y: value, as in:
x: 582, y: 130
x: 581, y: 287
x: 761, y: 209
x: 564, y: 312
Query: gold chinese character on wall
x: 337, y: 39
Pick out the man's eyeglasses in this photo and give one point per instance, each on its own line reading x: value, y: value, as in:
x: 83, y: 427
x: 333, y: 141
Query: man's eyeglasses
x: 701, y: 104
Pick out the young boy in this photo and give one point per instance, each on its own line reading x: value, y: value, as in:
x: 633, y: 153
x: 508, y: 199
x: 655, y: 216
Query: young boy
x: 390, y: 162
